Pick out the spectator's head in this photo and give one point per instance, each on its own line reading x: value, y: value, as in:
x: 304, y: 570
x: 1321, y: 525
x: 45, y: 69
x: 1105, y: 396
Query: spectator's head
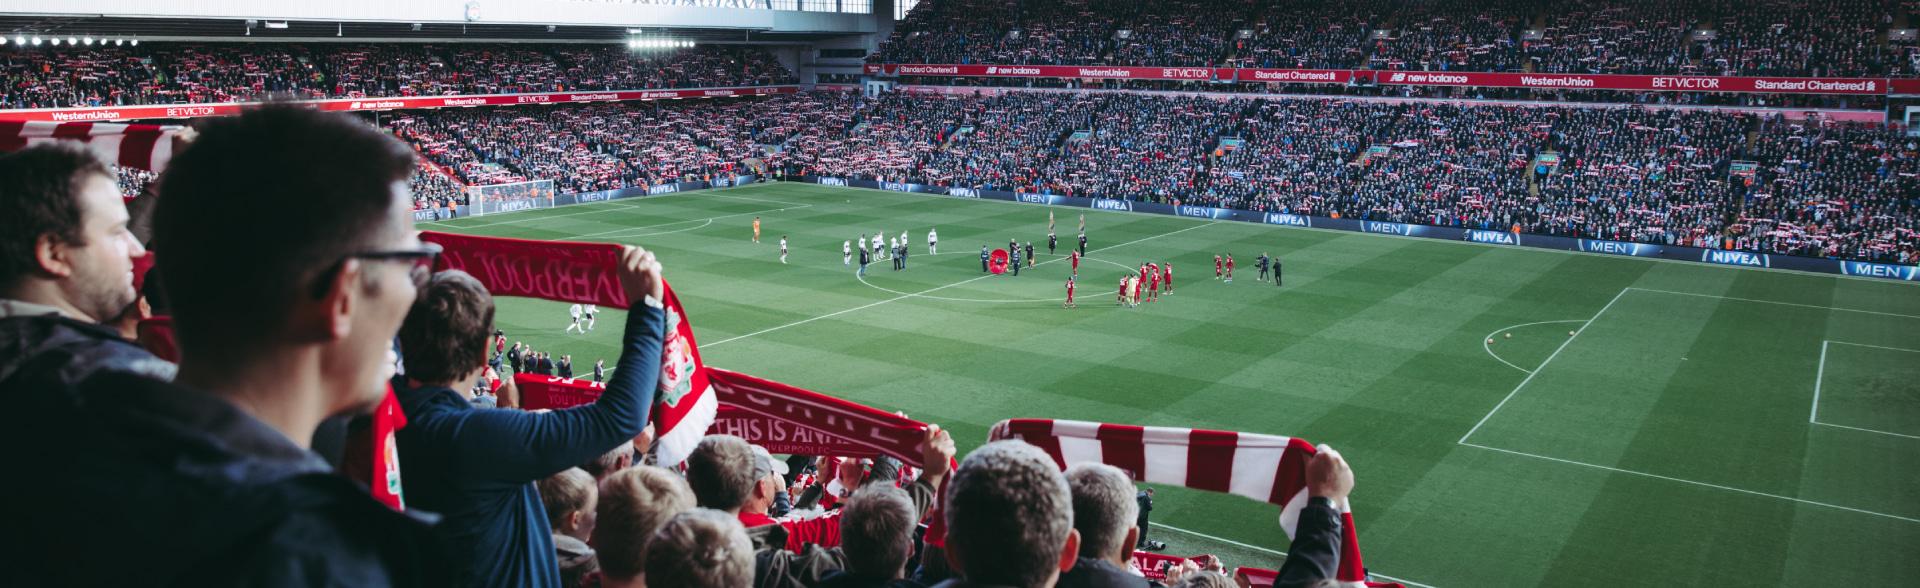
x: 634, y: 503
x: 1104, y: 511
x: 700, y: 548
x: 569, y: 497
x: 611, y: 462
x: 288, y: 240
x: 876, y: 531
x: 64, y: 241
x: 444, y: 339
x: 1009, y: 517
x: 768, y: 480
x: 721, y: 472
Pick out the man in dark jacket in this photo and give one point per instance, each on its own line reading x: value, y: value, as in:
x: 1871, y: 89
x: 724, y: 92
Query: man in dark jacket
x: 478, y: 467
x: 513, y: 357
x: 876, y: 535
x: 1105, y: 514
x: 546, y: 363
x: 207, y: 481
x: 1145, y: 501
x: 66, y: 264
x: 984, y: 256
x: 565, y: 366
x: 1314, y: 555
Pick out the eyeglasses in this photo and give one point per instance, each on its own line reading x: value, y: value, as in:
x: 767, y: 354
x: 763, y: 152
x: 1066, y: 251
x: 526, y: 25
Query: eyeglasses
x: 420, y: 270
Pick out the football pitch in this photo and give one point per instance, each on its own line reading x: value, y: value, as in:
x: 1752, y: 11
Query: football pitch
x: 1707, y: 425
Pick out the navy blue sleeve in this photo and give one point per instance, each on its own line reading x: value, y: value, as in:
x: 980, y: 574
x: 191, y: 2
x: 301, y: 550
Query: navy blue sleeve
x: 515, y: 447
x: 1315, y: 553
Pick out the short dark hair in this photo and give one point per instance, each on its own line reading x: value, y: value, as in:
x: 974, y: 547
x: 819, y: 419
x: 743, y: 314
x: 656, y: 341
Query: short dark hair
x: 228, y: 261
x: 876, y: 530
x: 565, y: 493
x: 700, y: 548
x: 1008, y: 514
x: 720, y: 470
x: 40, y: 192
x: 445, y: 335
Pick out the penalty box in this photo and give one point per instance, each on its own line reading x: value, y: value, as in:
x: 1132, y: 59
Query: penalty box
x: 1710, y: 388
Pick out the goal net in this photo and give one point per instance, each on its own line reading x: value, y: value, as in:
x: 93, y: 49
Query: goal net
x: 499, y: 198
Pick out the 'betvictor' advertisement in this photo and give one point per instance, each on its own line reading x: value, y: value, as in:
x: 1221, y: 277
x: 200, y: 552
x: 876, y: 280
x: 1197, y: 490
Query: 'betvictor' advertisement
x: 1673, y: 252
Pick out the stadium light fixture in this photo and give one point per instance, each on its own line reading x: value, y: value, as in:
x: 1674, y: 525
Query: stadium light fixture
x: 71, y: 41
x: 19, y: 40
x: 276, y: 24
x: 87, y: 39
x: 55, y: 41
x: 36, y: 40
x: 136, y: 42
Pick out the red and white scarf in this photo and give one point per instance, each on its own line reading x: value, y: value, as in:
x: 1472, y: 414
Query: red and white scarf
x: 147, y: 147
x: 1266, y: 468
x: 585, y: 273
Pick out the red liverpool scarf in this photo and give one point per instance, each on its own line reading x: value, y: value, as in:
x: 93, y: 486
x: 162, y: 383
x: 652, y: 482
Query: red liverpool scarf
x: 781, y: 418
x: 585, y: 273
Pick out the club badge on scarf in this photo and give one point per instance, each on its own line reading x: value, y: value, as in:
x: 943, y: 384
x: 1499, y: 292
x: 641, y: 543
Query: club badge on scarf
x: 686, y: 405
x: 586, y: 273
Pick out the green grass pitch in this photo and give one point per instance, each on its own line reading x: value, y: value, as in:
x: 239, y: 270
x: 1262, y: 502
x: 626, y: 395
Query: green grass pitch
x: 1677, y: 440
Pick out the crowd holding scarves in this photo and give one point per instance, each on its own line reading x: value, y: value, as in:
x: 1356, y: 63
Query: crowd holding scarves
x: 696, y: 400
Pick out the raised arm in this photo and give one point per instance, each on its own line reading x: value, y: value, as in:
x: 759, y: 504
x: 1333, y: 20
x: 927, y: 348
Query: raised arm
x: 522, y: 446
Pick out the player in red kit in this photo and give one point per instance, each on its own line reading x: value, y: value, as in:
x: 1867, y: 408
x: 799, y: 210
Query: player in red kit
x: 1229, y: 267
x: 1123, y: 290
x: 1069, y: 303
x: 1216, y: 267
x: 1074, y: 256
x: 1143, y: 274
x: 1168, y: 287
x: 1153, y: 281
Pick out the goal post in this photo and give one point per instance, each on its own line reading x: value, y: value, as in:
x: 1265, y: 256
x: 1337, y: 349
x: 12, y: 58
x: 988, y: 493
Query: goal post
x: 497, y: 198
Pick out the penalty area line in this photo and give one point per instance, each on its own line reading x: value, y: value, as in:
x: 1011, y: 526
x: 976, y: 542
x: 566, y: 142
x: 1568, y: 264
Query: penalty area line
x: 1280, y: 553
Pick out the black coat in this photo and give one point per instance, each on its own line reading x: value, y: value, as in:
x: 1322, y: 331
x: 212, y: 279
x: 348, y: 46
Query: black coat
x: 39, y: 353
x: 1315, y: 553
x: 1093, y: 573
x: 566, y: 368
x: 185, y: 489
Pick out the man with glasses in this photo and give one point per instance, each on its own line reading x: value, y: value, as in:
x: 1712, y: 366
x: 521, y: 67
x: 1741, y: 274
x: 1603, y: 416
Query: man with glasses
x: 291, y: 259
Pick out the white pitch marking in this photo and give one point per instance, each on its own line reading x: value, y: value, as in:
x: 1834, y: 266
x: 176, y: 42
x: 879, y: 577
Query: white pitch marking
x: 1673, y: 479
x: 1280, y: 553
x: 1489, y: 348
x: 1543, y: 365
x: 1778, y: 302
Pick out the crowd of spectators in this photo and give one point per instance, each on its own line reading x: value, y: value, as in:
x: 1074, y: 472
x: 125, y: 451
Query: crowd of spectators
x: 180, y: 73
x: 1642, y: 175
x: 596, y: 147
x: 1774, y: 38
x: 1628, y: 174
x: 269, y: 454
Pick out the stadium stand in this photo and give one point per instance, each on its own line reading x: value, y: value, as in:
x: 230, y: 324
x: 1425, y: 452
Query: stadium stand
x: 186, y: 73
x: 1584, y: 36
x: 1641, y: 175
